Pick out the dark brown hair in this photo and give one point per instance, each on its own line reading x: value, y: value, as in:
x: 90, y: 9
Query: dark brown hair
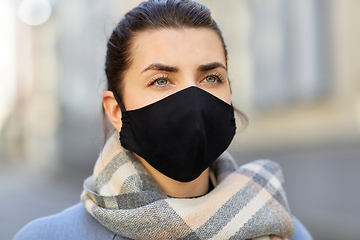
x: 152, y: 15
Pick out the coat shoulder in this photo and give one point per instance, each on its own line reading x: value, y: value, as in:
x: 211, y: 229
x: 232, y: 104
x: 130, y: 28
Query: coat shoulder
x: 301, y: 233
x: 72, y: 223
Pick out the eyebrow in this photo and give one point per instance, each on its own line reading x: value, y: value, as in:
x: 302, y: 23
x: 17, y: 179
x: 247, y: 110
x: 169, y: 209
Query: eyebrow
x: 167, y: 68
x: 160, y: 67
x: 210, y: 66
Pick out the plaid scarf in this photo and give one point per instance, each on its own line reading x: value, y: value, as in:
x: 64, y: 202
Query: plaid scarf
x: 246, y: 203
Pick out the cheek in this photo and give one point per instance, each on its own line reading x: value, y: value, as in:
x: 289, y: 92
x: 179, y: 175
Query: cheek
x: 135, y: 97
x: 131, y: 97
x: 223, y: 93
x: 226, y: 97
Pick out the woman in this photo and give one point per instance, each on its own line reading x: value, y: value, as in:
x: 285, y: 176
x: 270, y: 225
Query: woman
x: 170, y: 177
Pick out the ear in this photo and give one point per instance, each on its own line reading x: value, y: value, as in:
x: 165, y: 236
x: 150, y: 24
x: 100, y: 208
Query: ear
x: 112, y: 110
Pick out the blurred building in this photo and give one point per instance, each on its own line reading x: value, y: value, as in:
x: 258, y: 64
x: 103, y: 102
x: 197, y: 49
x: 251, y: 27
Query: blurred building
x: 50, y: 114
x: 293, y: 65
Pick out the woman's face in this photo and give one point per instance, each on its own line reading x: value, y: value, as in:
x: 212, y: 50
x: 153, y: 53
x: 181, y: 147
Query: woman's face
x: 166, y: 61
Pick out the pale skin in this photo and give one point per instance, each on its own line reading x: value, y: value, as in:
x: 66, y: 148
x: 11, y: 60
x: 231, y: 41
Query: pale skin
x: 163, y: 62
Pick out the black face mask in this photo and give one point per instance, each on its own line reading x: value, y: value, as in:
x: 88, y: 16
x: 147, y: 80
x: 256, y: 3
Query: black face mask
x: 180, y: 135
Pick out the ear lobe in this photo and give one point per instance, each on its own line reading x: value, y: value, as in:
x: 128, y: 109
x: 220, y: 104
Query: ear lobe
x: 112, y: 110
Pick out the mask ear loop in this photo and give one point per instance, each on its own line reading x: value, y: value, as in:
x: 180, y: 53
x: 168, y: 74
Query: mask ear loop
x: 119, y: 102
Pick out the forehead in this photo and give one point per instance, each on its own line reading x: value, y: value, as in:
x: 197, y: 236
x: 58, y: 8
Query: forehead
x: 177, y: 46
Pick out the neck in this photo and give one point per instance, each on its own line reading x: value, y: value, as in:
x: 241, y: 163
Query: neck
x: 173, y: 188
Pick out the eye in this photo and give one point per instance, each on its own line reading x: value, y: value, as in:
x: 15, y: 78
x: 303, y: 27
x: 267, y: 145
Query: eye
x: 161, y: 82
x: 211, y: 79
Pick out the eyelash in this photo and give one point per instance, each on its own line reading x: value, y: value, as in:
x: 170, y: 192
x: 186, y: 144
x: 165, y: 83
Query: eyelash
x: 157, y: 78
x: 216, y: 75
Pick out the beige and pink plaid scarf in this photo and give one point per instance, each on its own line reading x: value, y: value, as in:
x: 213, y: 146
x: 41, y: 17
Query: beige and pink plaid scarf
x: 247, y: 202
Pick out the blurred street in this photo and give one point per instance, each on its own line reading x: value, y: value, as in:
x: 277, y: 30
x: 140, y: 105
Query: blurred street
x: 312, y: 175
x: 26, y: 196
